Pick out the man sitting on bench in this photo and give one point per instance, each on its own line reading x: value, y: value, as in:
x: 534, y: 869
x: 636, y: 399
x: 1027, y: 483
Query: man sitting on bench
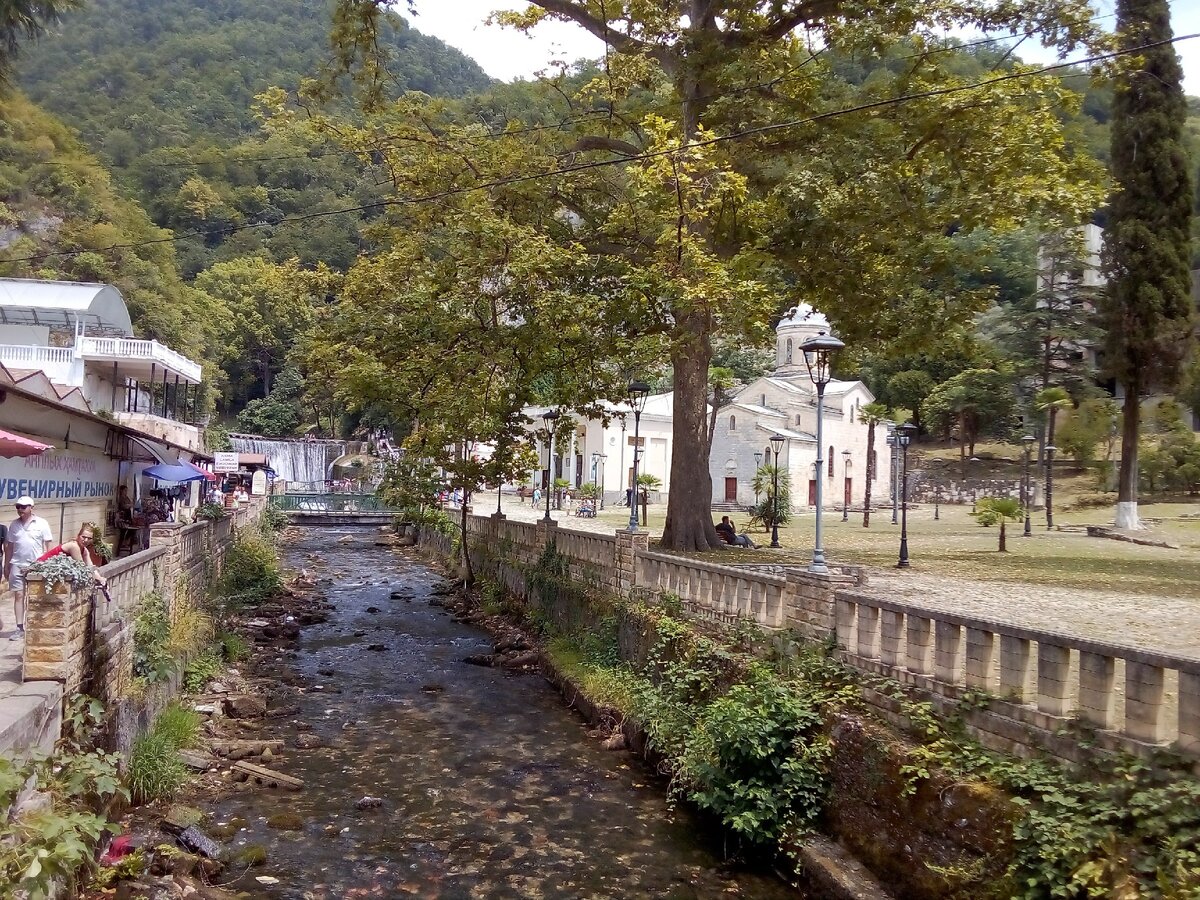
x: 729, y: 536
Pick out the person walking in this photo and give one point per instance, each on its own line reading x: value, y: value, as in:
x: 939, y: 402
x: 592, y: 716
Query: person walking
x: 28, y: 537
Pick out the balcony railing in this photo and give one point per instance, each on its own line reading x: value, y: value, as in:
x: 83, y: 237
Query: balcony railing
x: 128, y: 348
x: 32, y: 357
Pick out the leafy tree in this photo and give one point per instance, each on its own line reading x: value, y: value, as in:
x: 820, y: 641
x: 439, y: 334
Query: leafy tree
x: 908, y: 390
x: 972, y: 404
x: 998, y: 511
x: 718, y: 215
x: 279, y: 414
x: 1050, y: 402
x: 871, y: 415
x: 767, y: 512
x: 1148, y: 308
x: 27, y: 20
x: 1091, y: 424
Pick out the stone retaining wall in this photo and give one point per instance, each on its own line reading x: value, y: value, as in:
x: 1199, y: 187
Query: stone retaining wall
x: 1025, y: 689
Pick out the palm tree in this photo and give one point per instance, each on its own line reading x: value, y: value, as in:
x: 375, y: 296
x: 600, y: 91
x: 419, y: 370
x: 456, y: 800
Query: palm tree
x: 998, y: 511
x: 25, y: 20
x: 871, y: 414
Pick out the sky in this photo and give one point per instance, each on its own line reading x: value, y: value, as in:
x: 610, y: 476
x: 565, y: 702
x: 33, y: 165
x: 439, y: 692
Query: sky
x: 506, y: 54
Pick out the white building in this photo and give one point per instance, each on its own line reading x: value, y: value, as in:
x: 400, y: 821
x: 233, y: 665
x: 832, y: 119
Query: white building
x: 604, y: 453
x: 784, y: 403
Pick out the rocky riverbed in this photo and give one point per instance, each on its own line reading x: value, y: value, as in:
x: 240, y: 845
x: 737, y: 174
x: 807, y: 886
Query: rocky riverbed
x: 360, y: 753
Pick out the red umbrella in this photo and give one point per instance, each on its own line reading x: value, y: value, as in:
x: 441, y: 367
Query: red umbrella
x: 15, y: 445
x: 207, y: 474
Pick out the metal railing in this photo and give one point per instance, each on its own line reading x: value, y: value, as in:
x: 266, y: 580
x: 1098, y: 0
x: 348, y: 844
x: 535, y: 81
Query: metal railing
x: 331, y: 503
x: 130, y: 348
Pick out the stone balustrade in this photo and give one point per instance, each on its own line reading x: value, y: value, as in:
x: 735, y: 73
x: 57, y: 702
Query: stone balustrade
x: 1134, y: 698
x: 721, y: 593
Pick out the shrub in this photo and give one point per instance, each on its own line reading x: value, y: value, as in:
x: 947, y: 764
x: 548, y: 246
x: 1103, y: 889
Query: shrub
x: 210, y: 511
x: 273, y: 519
x: 152, y: 660
x: 250, y: 573
x: 234, y: 647
x: 201, y: 671
x: 179, y: 726
x: 155, y: 770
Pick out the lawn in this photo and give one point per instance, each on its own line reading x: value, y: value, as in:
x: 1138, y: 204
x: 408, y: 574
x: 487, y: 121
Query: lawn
x: 955, y: 545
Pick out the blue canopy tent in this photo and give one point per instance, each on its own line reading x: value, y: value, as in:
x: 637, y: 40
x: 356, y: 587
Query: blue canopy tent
x: 177, y: 474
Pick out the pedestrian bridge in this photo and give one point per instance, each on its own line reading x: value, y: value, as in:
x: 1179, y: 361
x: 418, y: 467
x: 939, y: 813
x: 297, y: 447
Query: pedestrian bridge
x: 334, y: 509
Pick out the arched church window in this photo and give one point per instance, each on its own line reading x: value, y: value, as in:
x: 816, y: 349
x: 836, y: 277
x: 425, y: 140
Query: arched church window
x: 789, y: 351
x: 733, y: 423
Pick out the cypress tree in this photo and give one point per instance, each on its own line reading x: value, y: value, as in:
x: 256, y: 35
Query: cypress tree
x: 1148, y: 306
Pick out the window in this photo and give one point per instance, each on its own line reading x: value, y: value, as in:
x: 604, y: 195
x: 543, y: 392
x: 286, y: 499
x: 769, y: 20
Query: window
x: 797, y: 418
x: 831, y: 460
x: 789, y: 351
x: 763, y: 398
x: 733, y: 423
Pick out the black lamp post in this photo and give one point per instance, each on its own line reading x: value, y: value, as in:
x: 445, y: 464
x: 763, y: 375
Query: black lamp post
x: 638, y: 392
x: 845, y: 486
x: 903, y: 435
x: 776, y: 442
x: 1027, y: 485
x: 937, y: 501
x: 891, y: 443
x: 550, y: 418
x: 1050, y: 448
x: 818, y: 356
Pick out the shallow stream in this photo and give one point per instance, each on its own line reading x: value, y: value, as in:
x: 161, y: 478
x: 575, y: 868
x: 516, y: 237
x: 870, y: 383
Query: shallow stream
x: 491, y: 787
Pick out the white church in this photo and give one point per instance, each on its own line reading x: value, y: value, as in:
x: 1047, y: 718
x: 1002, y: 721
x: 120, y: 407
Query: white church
x: 784, y: 404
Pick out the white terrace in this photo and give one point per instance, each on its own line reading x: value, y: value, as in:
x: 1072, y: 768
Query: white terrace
x: 80, y: 336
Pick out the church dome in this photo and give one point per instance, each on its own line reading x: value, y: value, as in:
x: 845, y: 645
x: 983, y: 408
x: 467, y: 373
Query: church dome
x: 797, y: 325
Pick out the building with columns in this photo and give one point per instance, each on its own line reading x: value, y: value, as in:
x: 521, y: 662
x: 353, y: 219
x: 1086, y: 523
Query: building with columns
x: 784, y: 403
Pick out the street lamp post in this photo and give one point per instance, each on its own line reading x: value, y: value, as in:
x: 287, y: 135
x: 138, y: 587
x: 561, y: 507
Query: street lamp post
x: 891, y: 442
x: 818, y: 356
x: 1027, y: 485
x: 550, y: 418
x: 937, y: 501
x: 638, y: 392
x: 776, y: 442
x: 757, y: 467
x: 846, y: 485
x: 1050, y: 448
x: 600, y: 458
x: 904, y: 435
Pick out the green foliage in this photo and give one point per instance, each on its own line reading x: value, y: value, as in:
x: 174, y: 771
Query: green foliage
x: 210, y: 511
x: 152, y: 657
x: 45, y: 851
x: 998, y: 511
x: 273, y: 519
x: 250, y: 572
x: 179, y: 727
x: 908, y: 390
x: 1093, y: 424
x: 61, y: 569
x: 202, y: 670
x: 156, y: 771
x: 1174, y: 465
x: 767, y: 511
x: 234, y: 647
x: 972, y: 404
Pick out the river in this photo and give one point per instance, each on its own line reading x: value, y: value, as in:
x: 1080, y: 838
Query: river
x: 491, y: 787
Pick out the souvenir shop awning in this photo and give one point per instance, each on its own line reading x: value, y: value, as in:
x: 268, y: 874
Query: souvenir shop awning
x: 180, y: 473
x: 15, y: 445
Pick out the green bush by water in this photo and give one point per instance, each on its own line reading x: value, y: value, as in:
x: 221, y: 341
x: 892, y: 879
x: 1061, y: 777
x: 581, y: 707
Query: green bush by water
x: 152, y: 658
x: 156, y: 770
x: 250, y: 573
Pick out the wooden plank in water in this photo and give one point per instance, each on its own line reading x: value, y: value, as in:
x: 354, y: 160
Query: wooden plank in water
x: 260, y: 775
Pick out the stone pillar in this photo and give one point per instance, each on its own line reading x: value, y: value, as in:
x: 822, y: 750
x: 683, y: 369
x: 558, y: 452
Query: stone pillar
x: 1144, y: 701
x: 628, y: 546
x: 56, y: 635
x: 170, y: 565
x: 1189, y: 712
x: 919, y: 645
x: 808, y: 600
x: 1014, y: 667
x: 546, y: 532
x: 891, y: 637
x: 1096, y: 681
x: 1053, y: 679
x: 947, y: 651
x: 868, y: 631
x: 981, y: 650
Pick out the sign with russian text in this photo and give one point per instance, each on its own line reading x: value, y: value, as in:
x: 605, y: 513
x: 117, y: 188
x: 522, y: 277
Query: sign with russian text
x: 225, y: 461
x: 57, y: 476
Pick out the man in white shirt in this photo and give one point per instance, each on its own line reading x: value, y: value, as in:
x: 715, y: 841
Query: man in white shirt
x: 28, y: 538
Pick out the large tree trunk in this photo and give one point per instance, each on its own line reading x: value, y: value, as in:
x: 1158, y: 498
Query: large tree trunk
x: 870, y: 475
x: 1127, y: 477
x: 689, y: 505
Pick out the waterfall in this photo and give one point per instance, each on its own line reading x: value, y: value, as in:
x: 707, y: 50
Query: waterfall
x: 302, y: 461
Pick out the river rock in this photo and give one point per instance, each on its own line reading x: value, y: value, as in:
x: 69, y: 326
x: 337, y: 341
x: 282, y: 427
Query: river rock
x: 196, y: 841
x: 521, y: 660
x: 180, y: 818
x: 616, y: 742
x: 400, y: 595
x: 372, y: 609
x: 245, y: 706
x: 481, y: 659
x: 308, y: 741
x: 369, y: 803
x: 378, y: 648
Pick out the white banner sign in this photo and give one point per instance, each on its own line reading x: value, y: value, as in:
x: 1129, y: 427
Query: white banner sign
x: 225, y: 461
x: 58, y: 475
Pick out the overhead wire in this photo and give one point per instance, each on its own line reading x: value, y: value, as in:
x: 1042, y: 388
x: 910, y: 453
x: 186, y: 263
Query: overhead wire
x: 621, y: 161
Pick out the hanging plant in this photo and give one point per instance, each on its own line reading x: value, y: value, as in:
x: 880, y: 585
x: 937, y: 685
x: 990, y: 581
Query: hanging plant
x: 62, y: 569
